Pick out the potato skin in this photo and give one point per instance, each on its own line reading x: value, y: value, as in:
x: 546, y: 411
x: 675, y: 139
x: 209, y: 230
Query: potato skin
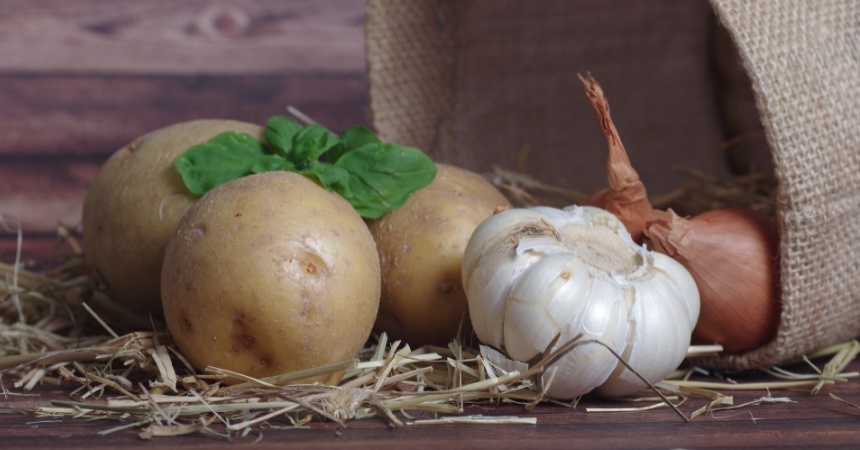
x: 421, y: 247
x: 269, y: 274
x: 135, y: 203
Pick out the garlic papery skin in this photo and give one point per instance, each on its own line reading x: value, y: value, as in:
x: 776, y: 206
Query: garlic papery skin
x: 533, y: 274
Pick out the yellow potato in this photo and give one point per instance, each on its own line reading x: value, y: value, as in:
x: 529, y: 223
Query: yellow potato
x: 135, y: 203
x: 421, y: 246
x: 269, y: 274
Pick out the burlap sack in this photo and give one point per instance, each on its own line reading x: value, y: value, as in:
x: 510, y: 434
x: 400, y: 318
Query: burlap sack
x: 493, y: 82
x: 803, y: 58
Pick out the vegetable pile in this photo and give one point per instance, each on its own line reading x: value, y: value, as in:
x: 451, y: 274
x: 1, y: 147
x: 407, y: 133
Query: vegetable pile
x: 278, y: 255
x: 283, y: 240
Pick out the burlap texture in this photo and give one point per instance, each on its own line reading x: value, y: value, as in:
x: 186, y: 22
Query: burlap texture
x: 803, y: 58
x: 479, y: 83
x: 484, y: 82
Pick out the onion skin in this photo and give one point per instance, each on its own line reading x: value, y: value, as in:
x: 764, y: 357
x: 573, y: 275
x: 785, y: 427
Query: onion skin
x: 731, y: 254
x: 626, y: 196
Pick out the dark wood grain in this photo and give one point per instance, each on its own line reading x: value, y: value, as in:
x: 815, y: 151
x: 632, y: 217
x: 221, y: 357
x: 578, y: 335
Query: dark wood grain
x: 80, y: 79
x: 816, y: 421
x: 56, y: 131
x: 41, y: 197
x: 188, y: 37
x: 90, y: 116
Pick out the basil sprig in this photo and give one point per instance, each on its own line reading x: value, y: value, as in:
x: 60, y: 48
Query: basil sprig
x: 375, y: 177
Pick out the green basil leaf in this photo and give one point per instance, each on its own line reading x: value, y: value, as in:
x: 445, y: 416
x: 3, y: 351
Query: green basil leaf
x: 271, y: 163
x: 375, y: 177
x: 333, y: 178
x: 383, y: 176
x: 350, y: 139
x: 223, y: 158
x: 280, y: 132
x: 309, y: 143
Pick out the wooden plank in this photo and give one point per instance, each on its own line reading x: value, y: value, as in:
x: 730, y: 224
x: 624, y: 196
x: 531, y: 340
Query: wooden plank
x: 187, y: 37
x: 92, y: 116
x: 80, y: 79
x: 37, y: 250
x: 810, y: 422
x: 49, y: 157
x: 56, y: 130
x: 42, y: 196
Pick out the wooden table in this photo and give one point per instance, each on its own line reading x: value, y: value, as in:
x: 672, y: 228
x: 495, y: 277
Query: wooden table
x: 818, y: 421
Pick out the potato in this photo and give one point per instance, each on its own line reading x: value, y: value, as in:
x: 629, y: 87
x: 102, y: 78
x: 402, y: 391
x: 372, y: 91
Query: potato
x: 135, y: 203
x: 421, y: 246
x: 269, y: 274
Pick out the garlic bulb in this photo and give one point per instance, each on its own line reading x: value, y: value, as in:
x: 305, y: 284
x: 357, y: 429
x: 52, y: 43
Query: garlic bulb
x: 533, y: 274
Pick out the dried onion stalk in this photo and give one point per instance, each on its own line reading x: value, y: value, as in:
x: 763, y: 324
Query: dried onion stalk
x: 730, y: 252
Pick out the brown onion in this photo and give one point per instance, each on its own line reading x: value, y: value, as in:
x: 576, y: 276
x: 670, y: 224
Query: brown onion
x: 731, y: 254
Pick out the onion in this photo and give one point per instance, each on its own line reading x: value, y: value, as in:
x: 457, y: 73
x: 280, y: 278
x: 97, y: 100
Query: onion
x: 731, y: 253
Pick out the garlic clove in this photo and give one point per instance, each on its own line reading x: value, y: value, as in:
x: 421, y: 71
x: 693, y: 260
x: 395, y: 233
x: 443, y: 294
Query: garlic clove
x: 541, y: 302
x: 508, y: 225
x: 582, y: 370
x: 665, y: 339
x: 492, y: 284
x: 560, y: 296
x: 684, y: 285
x: 491, y: 263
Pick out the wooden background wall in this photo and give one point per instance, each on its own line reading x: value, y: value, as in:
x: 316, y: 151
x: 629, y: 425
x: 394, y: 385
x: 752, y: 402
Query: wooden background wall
x: 78, y: 79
